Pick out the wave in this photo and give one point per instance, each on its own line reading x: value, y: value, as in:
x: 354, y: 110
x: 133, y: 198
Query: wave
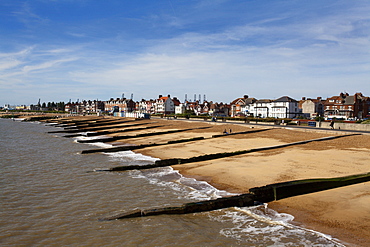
x: 257, y: 225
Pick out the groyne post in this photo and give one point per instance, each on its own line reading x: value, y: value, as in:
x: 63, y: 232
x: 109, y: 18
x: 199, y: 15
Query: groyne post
x: 266, y: 193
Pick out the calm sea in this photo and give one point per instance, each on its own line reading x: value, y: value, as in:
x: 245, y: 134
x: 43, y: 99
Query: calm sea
x: 50, y: 197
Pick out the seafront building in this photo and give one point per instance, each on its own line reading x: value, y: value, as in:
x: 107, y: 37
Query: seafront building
x: 85, y: 107
x: 166, y: 105
x: 312, y: 108
x: 342, y: 106
x: 283, y: 107
x: 241, y: 107
x: 347, y: 106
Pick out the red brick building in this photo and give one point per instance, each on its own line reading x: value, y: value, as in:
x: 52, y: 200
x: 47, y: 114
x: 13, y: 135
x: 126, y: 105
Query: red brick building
x: 347, y: 106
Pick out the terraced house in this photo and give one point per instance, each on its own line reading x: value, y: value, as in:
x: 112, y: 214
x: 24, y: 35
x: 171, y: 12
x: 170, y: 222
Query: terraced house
x: 166, y: 105
x: 120, y: 105
x: 241, y: 106
x: 347, y: 107
x: 312, y: 107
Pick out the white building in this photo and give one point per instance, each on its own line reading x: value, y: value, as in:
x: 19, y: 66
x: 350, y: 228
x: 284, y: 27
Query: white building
x: 241, y: 106
x: 166, y: 105
x: 283, y: 107
x: 180, y: 109
x: 261, y: 108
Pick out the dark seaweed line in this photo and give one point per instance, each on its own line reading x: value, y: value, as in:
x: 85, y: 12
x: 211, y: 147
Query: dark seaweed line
x: 257, y: 195
x: 74, y: 129
x: 115, y: 138
x: 126, y: 148
x: 176, y: 161
x: 111, y: 132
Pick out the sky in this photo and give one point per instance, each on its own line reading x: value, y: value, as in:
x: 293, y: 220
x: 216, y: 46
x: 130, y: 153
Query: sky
x: 61, y: 50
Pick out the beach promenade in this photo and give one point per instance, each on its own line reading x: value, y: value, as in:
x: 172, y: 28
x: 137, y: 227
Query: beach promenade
x: 343, y: 213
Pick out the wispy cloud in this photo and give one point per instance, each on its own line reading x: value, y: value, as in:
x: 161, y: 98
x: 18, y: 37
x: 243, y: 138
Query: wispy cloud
x: 46, y: 65
x: 27, y: 16
x: 287, y: 51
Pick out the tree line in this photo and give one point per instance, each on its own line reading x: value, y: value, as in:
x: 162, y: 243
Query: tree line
x: 49, y: 106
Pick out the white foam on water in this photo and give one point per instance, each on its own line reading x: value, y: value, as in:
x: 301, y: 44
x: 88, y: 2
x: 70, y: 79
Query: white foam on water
x: 89, y: 137
x: 257, y: 225
x: 261, y: 224
x: 98, y: 144
x: 188, y: 188
x: 131, y: 157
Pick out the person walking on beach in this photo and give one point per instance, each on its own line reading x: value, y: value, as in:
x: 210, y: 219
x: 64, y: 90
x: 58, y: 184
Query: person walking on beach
x: 332, y: 124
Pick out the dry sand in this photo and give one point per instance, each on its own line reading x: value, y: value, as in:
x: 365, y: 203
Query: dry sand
x: 343, y: 213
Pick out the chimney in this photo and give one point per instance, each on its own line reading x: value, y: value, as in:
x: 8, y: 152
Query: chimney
x: 160, y: 96
x: 319, y: 98
x: 303, y: 98
x: 169, y: 96
x: 245, y: 96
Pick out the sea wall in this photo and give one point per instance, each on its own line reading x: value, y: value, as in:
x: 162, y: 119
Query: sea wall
x: 346, y: 126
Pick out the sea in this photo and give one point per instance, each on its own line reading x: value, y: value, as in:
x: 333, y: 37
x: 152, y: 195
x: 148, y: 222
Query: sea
x: 52, y: 195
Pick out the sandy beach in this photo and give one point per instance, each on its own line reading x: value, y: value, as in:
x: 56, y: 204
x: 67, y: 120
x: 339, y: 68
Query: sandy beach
x: 343, y: 213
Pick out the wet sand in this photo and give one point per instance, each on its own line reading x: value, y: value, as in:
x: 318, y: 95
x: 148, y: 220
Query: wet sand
x: 343, y: 213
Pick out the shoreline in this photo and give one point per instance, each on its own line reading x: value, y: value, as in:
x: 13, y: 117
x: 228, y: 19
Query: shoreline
x: 309, y: 216
x: 341, y: 213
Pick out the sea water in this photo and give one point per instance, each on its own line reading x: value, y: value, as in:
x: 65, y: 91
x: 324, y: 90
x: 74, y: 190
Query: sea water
x: 51, y: 196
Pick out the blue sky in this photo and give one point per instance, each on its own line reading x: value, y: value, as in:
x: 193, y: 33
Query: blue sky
x: 58, y: 50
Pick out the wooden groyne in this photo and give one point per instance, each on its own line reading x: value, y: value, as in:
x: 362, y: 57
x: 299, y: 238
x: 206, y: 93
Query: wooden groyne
x: 256, y: 196
x: 115, y: 138
x: 176, y: 161
x: 102, y: 126
x: 70, y: 122
x: 104, y: 123
x: 283, y: 190
x: 126, y: 148
x: 107, y: 132
x: 193, y: 207
x: 240, y: 133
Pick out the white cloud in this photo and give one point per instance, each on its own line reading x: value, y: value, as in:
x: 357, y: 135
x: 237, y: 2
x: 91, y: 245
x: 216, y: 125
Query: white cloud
x: 46, y: 65
x: 8, y: 64
x: 265, y: 58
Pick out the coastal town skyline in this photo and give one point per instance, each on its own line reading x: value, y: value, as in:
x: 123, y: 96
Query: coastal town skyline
x: 342, y: 106
x: 186, y: 98
x: 61, y: 50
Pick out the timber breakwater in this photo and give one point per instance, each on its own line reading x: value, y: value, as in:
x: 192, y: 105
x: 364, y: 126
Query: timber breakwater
x: 262, y: 165
x: 268, y: 193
